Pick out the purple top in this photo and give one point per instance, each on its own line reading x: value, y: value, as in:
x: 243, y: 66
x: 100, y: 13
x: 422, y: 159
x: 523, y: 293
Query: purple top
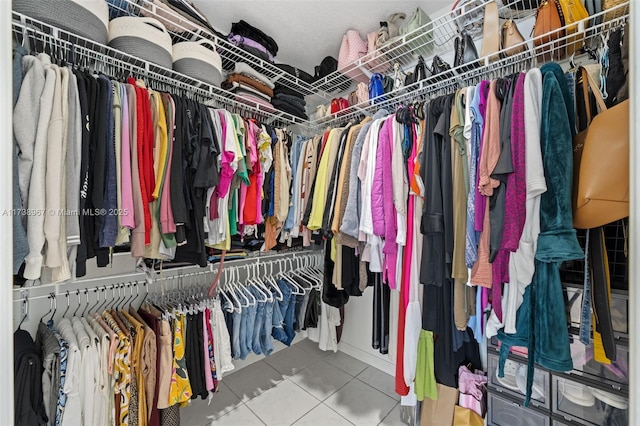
x: 516, y: 198
x: 237, y: 40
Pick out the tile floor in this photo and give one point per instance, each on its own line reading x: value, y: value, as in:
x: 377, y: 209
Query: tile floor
x: 301, y: 386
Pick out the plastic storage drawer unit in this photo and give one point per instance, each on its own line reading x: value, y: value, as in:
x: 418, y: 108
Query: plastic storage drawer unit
x: 515, y: 380
x: 589, y: 405
x: 506, y: 412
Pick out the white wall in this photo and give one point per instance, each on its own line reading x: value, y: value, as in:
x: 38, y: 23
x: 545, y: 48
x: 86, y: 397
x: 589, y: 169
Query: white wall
x: 356, y: 333
x: 6, y: 221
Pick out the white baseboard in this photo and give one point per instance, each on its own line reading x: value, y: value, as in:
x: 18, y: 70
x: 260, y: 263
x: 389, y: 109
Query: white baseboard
x: 368, y: 358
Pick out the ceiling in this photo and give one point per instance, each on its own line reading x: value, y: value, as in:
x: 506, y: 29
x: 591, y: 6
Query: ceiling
x: 308, y: 30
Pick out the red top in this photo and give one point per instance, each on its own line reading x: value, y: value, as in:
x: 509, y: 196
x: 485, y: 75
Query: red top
x: 143, y: 119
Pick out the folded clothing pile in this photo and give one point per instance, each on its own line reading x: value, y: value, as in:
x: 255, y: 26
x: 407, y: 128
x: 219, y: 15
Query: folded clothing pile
x: 289, y: 101
x: 253, y: 40
x: 249, y: 85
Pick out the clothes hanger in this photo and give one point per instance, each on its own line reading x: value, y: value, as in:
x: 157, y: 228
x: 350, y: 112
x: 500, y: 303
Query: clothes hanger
x: 253, y: 284
x: 253, y: 301
x: 55, y: 306
x: 131, y: 297
x: 230, y: 307
x: 272, y: 282
x: 100, y: 307
x: 260, y: 284
x: 86, y: 305
x: 68, y: 304
x: 297, y: 288
x: 237, y: 287
x: 88, y: 312
x: 79, y: 303
x: 118, y: 300
x: 234, y: 295
x: 264, y: 296
x: 297, y: 273
x: 264, y: 281
x: 51, y: 298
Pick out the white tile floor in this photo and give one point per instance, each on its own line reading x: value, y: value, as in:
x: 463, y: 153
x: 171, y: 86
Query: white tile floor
x: 301, y: 386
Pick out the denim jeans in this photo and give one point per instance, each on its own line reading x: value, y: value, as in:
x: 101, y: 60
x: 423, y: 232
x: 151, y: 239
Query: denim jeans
x: 257, y: 325
x: 267, y: 325
x: 288, y: 311
x: 244, y: 317
x: 251, y: 320
x: 235, y: 335
x: 585, y: 314
x: 279, y: 310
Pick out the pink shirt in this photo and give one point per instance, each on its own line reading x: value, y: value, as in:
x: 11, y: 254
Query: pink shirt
x: 208, y: 378
x: 127, y: 219
x: 228, y: 157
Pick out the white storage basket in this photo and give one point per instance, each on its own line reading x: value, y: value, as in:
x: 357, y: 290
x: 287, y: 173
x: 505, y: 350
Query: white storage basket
x: 145, y: 38
x: 195, y: 60
x: 86, y: 18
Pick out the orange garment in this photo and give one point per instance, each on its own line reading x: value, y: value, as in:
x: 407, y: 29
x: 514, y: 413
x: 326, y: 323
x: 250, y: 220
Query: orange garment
x: 270, y: 233
x: 490, y: 144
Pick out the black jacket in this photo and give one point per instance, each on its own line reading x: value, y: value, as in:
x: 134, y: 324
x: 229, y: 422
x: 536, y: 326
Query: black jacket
x: 28, y: 403
x: 83, y: 94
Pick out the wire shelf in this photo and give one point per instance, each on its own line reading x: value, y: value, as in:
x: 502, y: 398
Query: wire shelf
x: 182, y: 29
x: 71, y: 48
x: 535, y: 52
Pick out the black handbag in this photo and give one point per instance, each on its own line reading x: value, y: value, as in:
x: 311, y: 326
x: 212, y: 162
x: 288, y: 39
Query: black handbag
x: 328, y: 65
x: 420, y: 71
x: 388, y: 84
x: 440, y: 69
x: 466, y: 53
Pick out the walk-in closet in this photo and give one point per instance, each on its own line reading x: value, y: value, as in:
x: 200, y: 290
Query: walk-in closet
x: 319, y: 212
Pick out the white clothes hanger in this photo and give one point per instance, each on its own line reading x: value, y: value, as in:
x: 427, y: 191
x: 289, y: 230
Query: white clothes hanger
x: 271, y: 280
x: 260, y: 284
x: 297, y: 289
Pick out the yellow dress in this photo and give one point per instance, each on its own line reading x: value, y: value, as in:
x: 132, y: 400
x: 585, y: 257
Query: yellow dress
x: 180, y: 391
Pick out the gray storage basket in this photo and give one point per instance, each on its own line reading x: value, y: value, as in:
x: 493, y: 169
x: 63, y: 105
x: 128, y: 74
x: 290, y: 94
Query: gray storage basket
x: 143, y: 49
x: 144, y: 38
x: 88, y: 22
x: 196, y: 60
x: 198, y: 69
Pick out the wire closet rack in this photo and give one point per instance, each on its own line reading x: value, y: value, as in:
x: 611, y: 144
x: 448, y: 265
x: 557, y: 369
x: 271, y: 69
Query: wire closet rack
x: 437, y: 38
x: 182, y: 29
x: 79, y: 51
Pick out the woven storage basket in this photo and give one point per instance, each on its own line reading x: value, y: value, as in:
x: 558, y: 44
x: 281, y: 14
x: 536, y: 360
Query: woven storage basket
x: 145, y: 38
x: 195, y: 60
x: 609, y: 4
x: 86, y: 18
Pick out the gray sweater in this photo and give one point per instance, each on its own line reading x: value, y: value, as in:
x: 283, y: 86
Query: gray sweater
x: 36, y: 201
x: 351, y: 218
x: 20, y: 244
x: 25, y: 117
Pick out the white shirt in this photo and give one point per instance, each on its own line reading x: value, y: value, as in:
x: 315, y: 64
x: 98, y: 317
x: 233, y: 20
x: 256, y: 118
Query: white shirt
x: 73, y: 408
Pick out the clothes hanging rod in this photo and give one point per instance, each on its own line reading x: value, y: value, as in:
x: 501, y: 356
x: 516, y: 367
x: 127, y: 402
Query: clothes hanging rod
x: 435, y: 37
x: 183, y: 29
x: 462, y: 75
x: 141, y: 277
x: 106, y: 58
